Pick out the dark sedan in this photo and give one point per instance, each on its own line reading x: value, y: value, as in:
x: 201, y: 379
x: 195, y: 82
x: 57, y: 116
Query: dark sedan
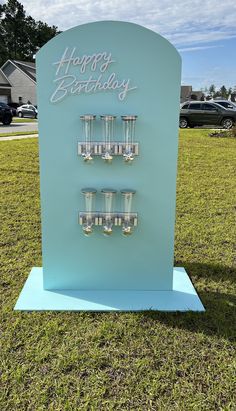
x: 5, y: 114
x: 201, y: 113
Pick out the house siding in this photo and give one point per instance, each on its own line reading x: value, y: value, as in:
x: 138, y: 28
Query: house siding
x: 185, y: 94
x: 5, y: 89
x: 22, y: 85
x: 5, y: 92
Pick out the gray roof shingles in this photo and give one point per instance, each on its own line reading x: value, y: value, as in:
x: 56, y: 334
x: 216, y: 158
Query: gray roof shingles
x: 23, y: 66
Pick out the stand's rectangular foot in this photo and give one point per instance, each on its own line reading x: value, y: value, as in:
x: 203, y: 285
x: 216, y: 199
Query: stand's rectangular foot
x: 183, y: 297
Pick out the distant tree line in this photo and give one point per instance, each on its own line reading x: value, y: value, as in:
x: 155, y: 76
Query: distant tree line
x: 20, y: 35
x: 222, y: 92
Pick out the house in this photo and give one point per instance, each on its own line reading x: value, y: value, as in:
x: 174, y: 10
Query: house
x: 5, y: 88
x: 21, y: 75
x: 197, y: 95
x: 187, y: 93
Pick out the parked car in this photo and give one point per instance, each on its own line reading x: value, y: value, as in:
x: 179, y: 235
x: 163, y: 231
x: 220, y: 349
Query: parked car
x: 27, y: 110
x: 199, y: 113
x: 226, y: 104
x: 13, y: 107
x: 5, y: 114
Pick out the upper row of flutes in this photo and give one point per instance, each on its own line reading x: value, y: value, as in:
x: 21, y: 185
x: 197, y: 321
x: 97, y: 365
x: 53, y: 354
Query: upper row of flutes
x: 107, y: 148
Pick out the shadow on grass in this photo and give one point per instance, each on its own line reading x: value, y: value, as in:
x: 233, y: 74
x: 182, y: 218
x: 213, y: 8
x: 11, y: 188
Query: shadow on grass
x: 220, y: 316
x: 215, y: 272
x: 218, y: 320
x: 22, y: 171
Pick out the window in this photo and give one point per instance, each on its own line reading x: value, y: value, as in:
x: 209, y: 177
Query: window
x: 185, y: 106
x: 209, y: 107
x: 227, y: 105
x: 196, y: 106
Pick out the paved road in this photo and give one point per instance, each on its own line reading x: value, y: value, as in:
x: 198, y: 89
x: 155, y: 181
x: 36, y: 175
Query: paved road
x: 18, y: 127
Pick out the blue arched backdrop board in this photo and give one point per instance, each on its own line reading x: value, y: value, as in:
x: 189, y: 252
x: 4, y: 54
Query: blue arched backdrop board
x: 125, y: 69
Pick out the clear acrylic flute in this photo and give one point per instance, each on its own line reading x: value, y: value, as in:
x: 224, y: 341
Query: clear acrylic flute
x: 89, y: 200
x: 109, y: 200
x: 127, y: 194
x: 87, y: 120
x: 129, y: 136
x: 108, y: 133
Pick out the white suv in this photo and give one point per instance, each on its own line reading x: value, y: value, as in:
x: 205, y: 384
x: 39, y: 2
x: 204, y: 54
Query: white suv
x: 226, y: 104
x: 27, y: 110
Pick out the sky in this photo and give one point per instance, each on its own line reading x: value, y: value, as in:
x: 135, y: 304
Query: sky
x: 203, y: 31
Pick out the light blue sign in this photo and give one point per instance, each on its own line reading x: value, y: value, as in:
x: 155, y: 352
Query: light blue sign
x: 116, y: 69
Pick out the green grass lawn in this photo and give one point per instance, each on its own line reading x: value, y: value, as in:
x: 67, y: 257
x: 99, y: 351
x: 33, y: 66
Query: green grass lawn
x: 125, y: 361
x: 24, y: 120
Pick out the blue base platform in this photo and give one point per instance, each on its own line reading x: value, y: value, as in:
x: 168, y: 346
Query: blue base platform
x: 34, y: 298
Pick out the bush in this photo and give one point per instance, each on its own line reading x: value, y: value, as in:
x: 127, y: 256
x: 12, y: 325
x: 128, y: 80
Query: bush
x: 224, y: 133
x: 233, y: 131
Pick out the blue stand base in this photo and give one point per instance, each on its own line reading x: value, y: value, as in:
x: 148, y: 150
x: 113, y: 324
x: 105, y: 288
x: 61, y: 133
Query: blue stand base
x: 183, y: 297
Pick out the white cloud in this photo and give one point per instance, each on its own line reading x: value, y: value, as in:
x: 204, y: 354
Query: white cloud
x: 198, y: 48
x: 183, y: 22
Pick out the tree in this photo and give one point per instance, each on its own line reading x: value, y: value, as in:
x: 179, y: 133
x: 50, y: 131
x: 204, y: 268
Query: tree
x: 3, y: 51
x: 212, y: 90
x: 233, y: 95
x: 229, y: 92
x: 13, y: 29
x: 217, y: 94
x: 20, y: 35
x: 44, y: 33
x: 223, y: 92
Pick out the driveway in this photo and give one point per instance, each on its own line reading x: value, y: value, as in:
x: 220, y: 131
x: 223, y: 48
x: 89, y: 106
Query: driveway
x: 18, y: 127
